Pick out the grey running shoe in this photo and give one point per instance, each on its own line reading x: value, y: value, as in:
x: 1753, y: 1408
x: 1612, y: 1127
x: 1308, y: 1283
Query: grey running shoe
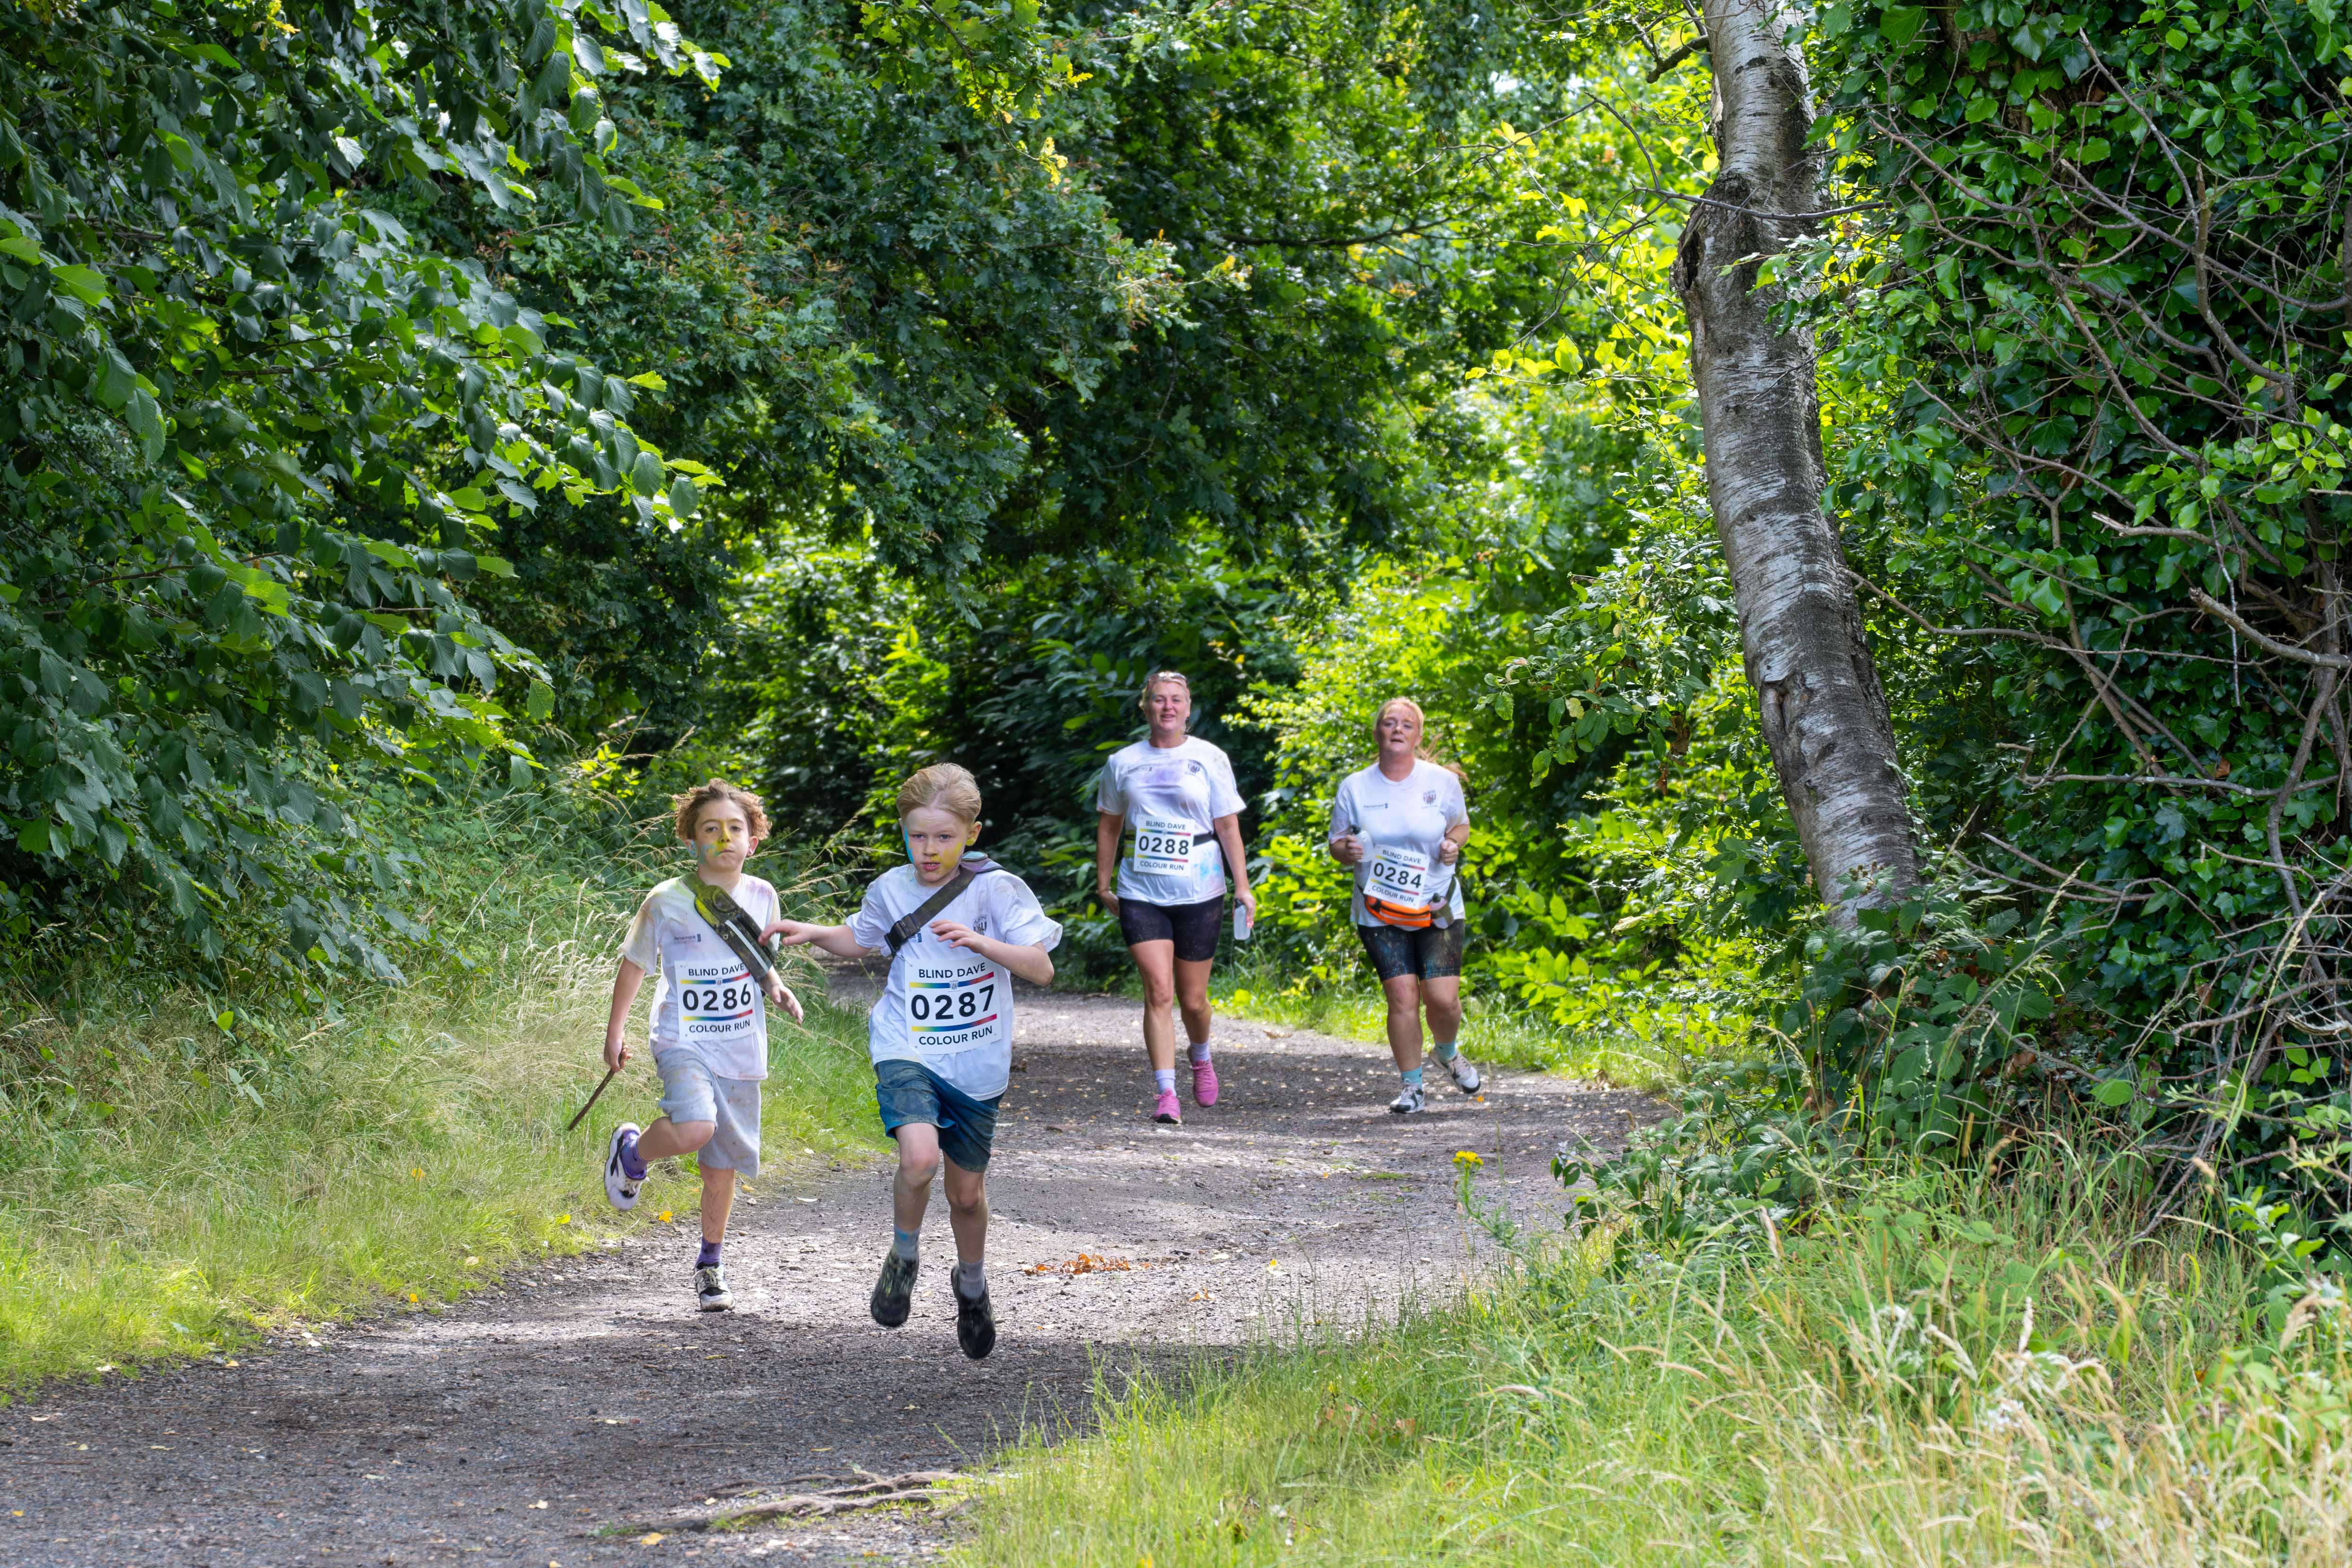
x: 710, y: 1292
x: 894, y: 1293
x: 1466, y: 1077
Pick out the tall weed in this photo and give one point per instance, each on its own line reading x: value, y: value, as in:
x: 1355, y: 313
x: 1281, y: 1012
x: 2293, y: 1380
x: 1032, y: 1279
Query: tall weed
x: 1945, y: 1369
x: 180, y: 1168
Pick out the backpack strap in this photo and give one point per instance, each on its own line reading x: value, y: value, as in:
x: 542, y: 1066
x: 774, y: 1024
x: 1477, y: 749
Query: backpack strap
x: 904, y: 930
x: 735, y: 928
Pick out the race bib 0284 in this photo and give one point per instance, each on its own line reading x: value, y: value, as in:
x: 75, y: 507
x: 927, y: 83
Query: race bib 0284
x: 1397, y: 875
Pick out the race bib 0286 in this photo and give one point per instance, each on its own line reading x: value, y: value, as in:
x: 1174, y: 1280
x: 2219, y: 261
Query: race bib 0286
x: 718, y: 1004
x: 1163, y: 846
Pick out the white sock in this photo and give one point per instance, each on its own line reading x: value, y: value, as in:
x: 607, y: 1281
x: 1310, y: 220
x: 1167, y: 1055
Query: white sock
x: 903, y: 1243
x: 1164, y: 1079
x: 971, y: 1281
x: 1198, y: 1051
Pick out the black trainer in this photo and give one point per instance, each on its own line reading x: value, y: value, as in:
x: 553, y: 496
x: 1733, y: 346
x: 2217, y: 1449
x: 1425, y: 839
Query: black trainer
x: 975, y: 1320
x: 894, y: 1293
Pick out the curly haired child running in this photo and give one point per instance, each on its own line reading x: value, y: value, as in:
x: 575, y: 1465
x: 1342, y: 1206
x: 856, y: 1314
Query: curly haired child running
x: 958, y: 927
x: 700, y: 936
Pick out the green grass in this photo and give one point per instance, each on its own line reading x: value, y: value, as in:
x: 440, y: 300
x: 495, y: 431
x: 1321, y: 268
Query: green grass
x: 170, y: 1188
x: 1952, y: 1371
x: 1496, y: 1028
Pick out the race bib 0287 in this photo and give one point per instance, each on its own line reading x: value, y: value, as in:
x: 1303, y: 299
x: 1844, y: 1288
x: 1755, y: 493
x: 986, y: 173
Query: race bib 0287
x: 955, y: 1007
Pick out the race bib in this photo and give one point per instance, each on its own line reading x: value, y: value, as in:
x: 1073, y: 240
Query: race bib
x: 1399, y: 876
x: 1163, y: 846
x: 718, y: 1002
x: 956, y: 1003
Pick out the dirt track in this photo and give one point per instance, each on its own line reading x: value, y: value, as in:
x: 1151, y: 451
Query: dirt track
x: 525, y: 1426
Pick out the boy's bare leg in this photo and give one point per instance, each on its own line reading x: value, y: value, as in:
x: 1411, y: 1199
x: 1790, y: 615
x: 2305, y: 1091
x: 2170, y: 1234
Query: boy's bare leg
x: 666, y: 1140
x: 718, y: 1202
x: 919, y: 1161
x: 967, y: 1212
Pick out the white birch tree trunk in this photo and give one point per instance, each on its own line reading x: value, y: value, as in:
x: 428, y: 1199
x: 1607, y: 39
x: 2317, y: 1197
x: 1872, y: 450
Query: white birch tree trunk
x: 1824, y: 712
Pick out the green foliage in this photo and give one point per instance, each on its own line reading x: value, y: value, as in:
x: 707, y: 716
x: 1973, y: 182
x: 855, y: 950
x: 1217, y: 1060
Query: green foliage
x: 256, y: 426
x: 2098, y: 330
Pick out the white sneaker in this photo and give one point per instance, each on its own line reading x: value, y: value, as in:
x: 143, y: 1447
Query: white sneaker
x: 618, y: 1188
x: 1409, y: 1104
x: 1466, y: 1077
x: 710, y: 1292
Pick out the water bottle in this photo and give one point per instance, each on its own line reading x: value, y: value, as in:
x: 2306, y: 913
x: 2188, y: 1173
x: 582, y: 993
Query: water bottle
x: 1240, y: 922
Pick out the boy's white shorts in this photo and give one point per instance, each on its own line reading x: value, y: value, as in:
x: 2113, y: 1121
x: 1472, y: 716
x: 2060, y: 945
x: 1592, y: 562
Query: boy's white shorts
x: 692, y: 1092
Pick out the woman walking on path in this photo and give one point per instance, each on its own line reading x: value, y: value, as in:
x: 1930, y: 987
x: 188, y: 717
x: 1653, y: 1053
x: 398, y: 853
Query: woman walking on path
x: 1401, y: 824
x: 1177, y: 793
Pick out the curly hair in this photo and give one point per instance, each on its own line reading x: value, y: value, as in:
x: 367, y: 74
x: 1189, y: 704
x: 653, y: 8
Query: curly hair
x: 689, y: 804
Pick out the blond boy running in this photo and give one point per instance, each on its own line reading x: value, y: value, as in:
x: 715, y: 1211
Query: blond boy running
x: 699, y: 935
x: 958, y: 927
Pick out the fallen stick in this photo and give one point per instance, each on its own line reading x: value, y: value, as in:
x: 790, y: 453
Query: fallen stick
x: 881, y: 1490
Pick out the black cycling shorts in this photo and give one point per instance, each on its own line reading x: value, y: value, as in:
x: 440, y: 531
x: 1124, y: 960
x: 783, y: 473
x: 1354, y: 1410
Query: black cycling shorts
x: 1429, y: 952
x: 1191, y: 927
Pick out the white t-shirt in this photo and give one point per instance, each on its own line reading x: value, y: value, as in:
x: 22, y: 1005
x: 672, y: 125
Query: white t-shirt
x: 947, y: 1006
x: 1401, y: 824
x: 1169, y: 797
x: 705, y: 1000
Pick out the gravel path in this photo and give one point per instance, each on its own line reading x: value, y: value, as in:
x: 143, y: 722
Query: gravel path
x: 559, y: 1419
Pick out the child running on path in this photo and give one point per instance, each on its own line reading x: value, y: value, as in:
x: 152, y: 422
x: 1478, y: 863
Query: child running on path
x: 700, y: 935
x: 958, y: 927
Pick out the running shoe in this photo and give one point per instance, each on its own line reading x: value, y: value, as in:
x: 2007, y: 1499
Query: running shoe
x: 710, y: 1292
x: 975, y: 1320
x: 1204, y: 1083
x: 1466, y: 1077
x: 620, y: 1187
x: 1166, y: 1110
x: 894, y: 1293
x: 1409, y: 1104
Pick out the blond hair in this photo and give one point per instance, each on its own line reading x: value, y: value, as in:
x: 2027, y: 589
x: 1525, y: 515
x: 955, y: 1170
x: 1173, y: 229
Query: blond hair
x: 945, y: 785
x: 1410, y: 706
x: 688, y: 805
x: 1161, y: 678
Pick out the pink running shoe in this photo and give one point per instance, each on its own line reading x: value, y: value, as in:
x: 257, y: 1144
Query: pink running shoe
x: 1165, y: 1110
x: 1204, y: 1083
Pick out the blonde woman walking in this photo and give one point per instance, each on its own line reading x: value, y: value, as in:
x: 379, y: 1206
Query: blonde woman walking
x: 1172, y: 796
x: 1401, y: 824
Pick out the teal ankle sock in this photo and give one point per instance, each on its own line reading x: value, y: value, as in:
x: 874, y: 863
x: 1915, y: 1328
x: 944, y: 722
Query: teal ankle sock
x: 1412, y: 1077
x: 1446, y: 1049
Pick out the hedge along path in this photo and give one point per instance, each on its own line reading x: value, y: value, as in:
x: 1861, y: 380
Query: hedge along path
x: 587, y: 1405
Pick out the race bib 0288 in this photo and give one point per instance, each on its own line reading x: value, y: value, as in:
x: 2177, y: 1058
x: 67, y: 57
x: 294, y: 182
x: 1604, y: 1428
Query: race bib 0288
x: 1163, y: 846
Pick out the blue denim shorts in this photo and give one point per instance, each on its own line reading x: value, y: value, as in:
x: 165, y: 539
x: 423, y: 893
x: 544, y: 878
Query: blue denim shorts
x: 910, y: 1091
